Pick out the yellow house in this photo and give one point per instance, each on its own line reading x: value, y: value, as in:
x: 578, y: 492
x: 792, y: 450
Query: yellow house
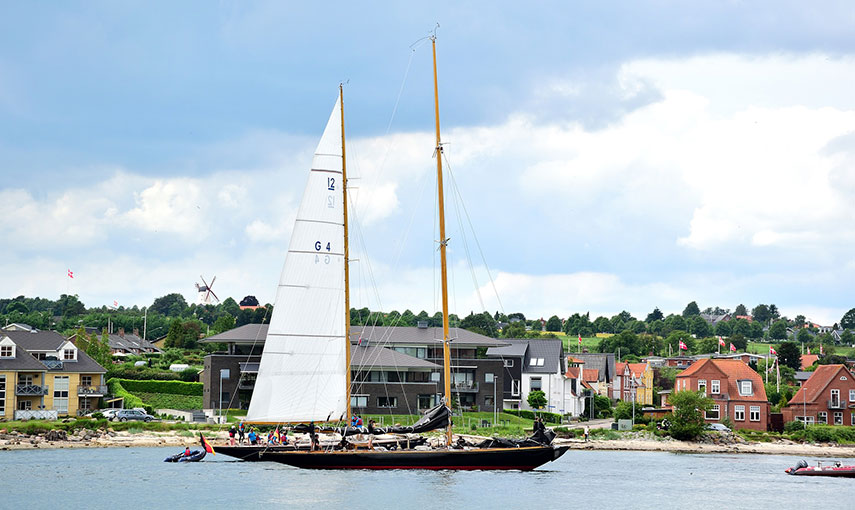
x: 45, y: 376
x: 643, y: 375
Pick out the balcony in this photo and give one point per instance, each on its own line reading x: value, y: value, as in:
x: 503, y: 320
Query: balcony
x: 246, y: 385
x: 36, y: 414
x: 91, y: 391
x: 52, y: 364
x: 30, y: 390
x: 836, y: 404
x: 465, y: 387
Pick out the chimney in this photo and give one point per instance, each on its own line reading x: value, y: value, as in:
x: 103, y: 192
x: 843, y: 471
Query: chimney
x: 122, y: 332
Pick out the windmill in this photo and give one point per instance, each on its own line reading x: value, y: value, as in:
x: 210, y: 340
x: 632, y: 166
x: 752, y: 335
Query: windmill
x: 205, y: 292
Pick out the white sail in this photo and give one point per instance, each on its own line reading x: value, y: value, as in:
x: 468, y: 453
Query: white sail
x: 302, y: 374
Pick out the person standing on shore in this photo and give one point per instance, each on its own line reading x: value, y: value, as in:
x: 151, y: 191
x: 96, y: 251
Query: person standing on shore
x: 586, y: 433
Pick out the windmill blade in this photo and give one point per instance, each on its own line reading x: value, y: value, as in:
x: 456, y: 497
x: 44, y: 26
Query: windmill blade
x: 212, y: 282
x: 212, y: 292
x: 203, y: 280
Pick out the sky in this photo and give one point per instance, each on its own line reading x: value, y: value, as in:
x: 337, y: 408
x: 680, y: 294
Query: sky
x: 602, y: 156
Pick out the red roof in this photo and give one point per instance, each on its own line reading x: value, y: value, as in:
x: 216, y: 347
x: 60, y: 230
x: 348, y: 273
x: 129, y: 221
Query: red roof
x: 734, y: 370
x: 571, y: 359
x: 817, y: 382
x: 637, y: 368
x: 572, y: 373
x: 590, y: 375
x: 808, y: 360
x: 619, y: 368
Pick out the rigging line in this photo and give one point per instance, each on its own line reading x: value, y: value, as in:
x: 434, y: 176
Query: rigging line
x: 456, y: 202
x: 475, y: 236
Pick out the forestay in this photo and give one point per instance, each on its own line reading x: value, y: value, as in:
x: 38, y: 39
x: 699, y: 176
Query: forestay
x: 302, y: 373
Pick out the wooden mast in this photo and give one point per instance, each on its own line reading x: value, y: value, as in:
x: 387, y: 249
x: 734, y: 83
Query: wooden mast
x: 346, y: 260
x: 446, y: 350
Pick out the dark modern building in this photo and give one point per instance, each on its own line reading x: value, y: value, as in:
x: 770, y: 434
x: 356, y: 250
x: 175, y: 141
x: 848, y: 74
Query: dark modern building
x: 394, y: 370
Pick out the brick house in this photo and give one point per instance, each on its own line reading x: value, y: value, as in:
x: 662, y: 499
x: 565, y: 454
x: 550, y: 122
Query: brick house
x: 633, y: 376
x: 736, y: 390
x: 826, y: 397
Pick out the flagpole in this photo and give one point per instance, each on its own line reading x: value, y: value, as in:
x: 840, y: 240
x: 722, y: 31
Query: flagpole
x: 767, y: 369
x: 778, y: 368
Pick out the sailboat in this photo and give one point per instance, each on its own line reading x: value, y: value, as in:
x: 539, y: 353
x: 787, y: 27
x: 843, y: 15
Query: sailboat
x: 304, y: 374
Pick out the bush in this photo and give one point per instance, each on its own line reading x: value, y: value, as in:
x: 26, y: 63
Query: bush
x: 529, y: 415
x: 687, y: 420
x: 155, y: 386
x: 793, y: 426
x: 623, y: 411
x: 130, y: 400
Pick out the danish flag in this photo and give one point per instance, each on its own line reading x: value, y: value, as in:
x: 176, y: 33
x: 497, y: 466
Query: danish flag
x: 720, y: 342
x: 683, y: 346
x: 732, y: 347
x: 772, y: 351
x: 70, y: 273
x: 580, y: 338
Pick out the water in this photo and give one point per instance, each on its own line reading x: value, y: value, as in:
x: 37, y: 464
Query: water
x: 138, y: 477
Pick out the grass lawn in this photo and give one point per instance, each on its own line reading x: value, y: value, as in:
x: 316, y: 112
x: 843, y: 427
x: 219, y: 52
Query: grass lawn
x: 170, y: 401
x: 763, y: 348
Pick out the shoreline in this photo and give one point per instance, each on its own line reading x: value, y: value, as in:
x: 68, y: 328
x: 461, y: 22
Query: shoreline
x: 174, y: 439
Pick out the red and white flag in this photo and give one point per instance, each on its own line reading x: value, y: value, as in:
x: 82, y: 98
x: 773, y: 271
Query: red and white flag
x: 115, y: 304
x: 772, y: 351
x: 70, y: 273
x: 820, y: 348
x: 732, y: 347
x: 720, y: 341
x: 808, y: 349
x: 683, y: 346
x: 580, y: 338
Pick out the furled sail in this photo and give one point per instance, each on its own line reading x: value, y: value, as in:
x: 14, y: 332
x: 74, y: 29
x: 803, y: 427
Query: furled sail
x: 302, y: 373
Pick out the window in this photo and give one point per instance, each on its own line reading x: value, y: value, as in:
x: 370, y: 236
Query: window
x: 68, y: 354
x: 822, y: 417
x: 716, y: 387
x: 745, y: 388
x: 488, y: 401
x: 224, y: 399
x: 540, y: 362
x: 852, y: 419
x: 536, y: 383
x: 6, y: 351
x: 387, y: 401
x: 361, y: 400
x: 2, y: 394
x: 416, y: 352
x: 489, y: 377
x: 713, y: 413
x: 86, y: 404
x: 852, y: 395
x: 24, y: 405
x: 835, y: 397
x: 515, y: 388
x: 508, y: 363
x: 739, y: 413
x: 838, y: 417
x: 427, y: 401
x: 86, y: 380
x: 806, y: 419
x: 434, y: 376
x: 536, y: 362
x: 755, y: 413
x: 60, y: 394
x: 702, y: 386
x: 25, y: 379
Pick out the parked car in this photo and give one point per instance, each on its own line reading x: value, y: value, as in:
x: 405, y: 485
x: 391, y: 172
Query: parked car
x: 109, y: 413
x: 132, y: 414
x: 718, y: 427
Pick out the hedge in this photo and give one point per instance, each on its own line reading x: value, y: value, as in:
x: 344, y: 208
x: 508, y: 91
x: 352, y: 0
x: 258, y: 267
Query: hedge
x: 547, y: 417
x: 131, y: 400
x: 151, y: 386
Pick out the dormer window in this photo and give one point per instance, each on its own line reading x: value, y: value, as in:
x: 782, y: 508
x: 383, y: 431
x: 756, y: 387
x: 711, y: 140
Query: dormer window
x: 7, y: 351
x: 69, y: 355
x: 745, y: 388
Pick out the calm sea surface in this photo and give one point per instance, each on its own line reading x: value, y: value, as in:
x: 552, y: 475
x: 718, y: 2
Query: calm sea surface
x: 137, y: 478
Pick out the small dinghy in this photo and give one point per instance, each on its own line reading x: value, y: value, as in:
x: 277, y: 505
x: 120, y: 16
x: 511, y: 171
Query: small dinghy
x: 192, y: 456
x: 195, y: 456
x: 835, y: 469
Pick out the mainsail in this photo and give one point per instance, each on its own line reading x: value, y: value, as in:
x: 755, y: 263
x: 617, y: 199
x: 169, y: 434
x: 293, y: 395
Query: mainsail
x: 302, y: 373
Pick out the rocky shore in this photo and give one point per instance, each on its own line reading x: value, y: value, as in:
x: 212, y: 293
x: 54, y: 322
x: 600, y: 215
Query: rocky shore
x: 637, y: 441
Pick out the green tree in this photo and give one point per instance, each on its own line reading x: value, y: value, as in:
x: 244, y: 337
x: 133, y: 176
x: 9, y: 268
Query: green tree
x: 675, y: 323
x: 514, y: 330
x: 847, y: 338
x: 761, y: 313
x: 699, y: 327
x: 655, y: 315
x: 707, y: 345
x: 789, y: 355
x: 623, y: 411
x: 626, y: 341
x: 848, y: 320
x: 18, y: 307
x: 756, y: 330
x: 740, y: 310
x: 740, y: 327
x: 799, y: 321
x: 739, y: 341
x: 536, y: 325
x: 723, y: 328
x: 778, y: 330
x: 553, y: 324
x: 773, y: 311
x: 482, y: 323
x: 602, y: 325
x: 691, y: 310
x: 175, y: 337
x: 674, y: 339
x: 687, y: 420
x: 223, y: 323
x: 170, y: 305
x: 804, y: 336
x: 536, y: 399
